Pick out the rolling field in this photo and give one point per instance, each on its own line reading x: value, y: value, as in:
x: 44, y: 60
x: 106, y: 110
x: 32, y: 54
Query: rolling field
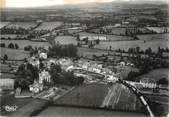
x: 114, y: 30
x: 86, y: 52
x: 133, y: 44
x: 12, y: 36
x: 66, y: 40
x: 116, y: 97
x: 120, y: 97
x: 6, y: 76
x: 109, y: 37
x: 14, y: 54
x: 23, y: 43
x: 48, y: 26
x: 24, y: 25
x: 85, y: 112
x: 154, y: 37
x: 87, y: 96
x: 155, y: 75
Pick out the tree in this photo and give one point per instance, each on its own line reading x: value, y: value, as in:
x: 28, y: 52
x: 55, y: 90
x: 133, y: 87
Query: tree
x: 5, y: 58
x: 132, y: 76
x: 25, y: 76
x: 16, y: 46
x: 97, y: 41
x: 11, y: 45
x: 137, y: 49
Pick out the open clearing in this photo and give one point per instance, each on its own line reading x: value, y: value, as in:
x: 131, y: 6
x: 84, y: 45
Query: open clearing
x: 14, y: 54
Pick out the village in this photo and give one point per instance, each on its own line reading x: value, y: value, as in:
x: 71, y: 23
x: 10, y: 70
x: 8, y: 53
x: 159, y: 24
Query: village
x: 78, y: 58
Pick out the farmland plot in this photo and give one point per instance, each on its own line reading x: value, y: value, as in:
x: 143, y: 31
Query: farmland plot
x: 121, y: 98
x: 151, y: 37
x: 24, y: 25
x: 66, y: 40
x: 109, y: 37
x: 12, y: 36
x: 87, y: 96
x: 23, y: 43
x: 14, y: 54
x: 49, y: 26
x: 85, y: 112
x: 133, y: 44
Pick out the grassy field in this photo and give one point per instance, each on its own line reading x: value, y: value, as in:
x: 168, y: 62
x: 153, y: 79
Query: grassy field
x: 114, y: 30
x: 24, y: 25
x: 132, y: 44
x: 49, y: 25
x: 87, y: 96
x: 85, y: 112
x: 154, y: 37
x: 109, y: 37
x: 14, y: 54
x: 12, y: 36
x: 66, y: 40
x: 86, y: 52
x: 6, y: 76
x: 155, y: 75
x: 123, y: 42
x: 23, y: 43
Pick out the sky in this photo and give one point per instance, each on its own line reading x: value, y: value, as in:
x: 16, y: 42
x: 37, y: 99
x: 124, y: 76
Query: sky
x: 35, y: 3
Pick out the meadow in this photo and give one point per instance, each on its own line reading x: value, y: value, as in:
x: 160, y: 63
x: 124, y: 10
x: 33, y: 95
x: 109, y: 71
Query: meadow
x: 125, y: 45
x: 24, y: 25
x: 14, y: 54
x: 66, y: 40
x: 49, y: 26
x: 109, y: 37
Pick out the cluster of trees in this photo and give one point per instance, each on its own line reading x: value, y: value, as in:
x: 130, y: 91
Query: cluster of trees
x: 62, y: 51
x: 61, y: 77
x: 2, y: 45
x: 25, y: 75
x: 13, y: 46
x: 145, y: 65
